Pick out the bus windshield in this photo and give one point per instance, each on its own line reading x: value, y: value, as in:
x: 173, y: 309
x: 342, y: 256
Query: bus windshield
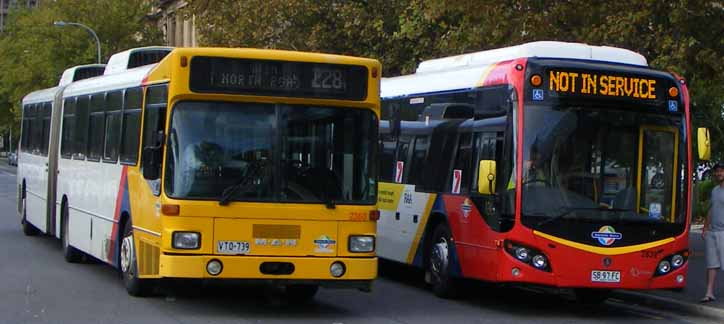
x: 271, y: 152
x: 599, y: 165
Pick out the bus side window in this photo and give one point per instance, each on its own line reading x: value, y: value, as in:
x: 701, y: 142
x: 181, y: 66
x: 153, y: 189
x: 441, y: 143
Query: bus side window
x: 45, y: 138
x: 68, y: 132
x: 114, y: 104
x: 97, y: 127
x: 81, y: 131
x: 131, y: 126
x: 154, y: 121
x: 155, y: 114
x: 387, y: 157
x: 36, y: 128
x: 25, y: 132
x: 462, y: 163
x: 417, y: 160
x: 403, y: 150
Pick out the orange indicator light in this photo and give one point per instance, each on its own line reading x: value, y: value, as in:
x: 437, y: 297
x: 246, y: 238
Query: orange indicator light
x: 170, y: 210
x: 536, y: 80
x: 673, y: 92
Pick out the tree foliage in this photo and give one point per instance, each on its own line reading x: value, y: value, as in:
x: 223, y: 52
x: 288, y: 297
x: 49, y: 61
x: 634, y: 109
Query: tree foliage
x: 682, y: 36
x: 34, y: 53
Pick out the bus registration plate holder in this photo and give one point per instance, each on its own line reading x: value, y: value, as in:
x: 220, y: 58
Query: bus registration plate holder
x: 232, y: 247
x: 605, y: 276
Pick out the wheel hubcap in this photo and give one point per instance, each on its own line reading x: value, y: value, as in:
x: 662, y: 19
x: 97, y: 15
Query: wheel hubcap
x: 126, y: 253
x: 438, y: 258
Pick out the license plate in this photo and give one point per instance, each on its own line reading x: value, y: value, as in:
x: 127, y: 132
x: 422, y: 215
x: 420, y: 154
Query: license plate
x: 605, y: 276
x: 232, y: 247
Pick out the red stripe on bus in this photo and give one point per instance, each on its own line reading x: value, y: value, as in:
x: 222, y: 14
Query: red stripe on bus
x: 117, y: 214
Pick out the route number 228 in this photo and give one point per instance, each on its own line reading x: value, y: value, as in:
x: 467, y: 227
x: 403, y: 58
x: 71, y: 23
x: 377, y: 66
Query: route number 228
x: 328, y: 79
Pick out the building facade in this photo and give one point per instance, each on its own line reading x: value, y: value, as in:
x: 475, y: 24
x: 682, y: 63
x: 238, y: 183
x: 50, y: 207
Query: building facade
x: 7, y: 5
x: 178, y: 30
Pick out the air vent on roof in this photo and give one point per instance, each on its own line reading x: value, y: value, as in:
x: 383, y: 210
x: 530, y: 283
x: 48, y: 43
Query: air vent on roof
x: 136, y: 57
x: 87, y: 72
x: 448, y: 111
x: 141, y: 58
x: 81, y: 72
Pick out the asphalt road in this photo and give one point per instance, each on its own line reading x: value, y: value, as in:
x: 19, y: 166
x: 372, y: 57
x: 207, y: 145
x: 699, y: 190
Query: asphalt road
x: 38, y: 286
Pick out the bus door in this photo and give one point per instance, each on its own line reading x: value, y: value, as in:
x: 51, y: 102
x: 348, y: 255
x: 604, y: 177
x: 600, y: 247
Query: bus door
x: 658, y: 153
x: 483, y: 226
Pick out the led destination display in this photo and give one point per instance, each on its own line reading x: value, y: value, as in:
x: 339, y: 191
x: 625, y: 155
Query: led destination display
x: 583, y: 83
x: 278, y: 78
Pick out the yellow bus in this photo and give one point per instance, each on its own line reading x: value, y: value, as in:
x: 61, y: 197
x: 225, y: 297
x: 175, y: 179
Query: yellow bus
x: 222, y: 163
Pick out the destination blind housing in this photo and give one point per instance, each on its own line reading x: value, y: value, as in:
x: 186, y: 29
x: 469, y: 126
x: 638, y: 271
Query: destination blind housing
x: 278, y: 78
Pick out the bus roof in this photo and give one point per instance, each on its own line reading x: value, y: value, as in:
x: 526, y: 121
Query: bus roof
x: 43, y: 95
x: 130, y: 78
x: 466, y: 71
x: 70, y: 74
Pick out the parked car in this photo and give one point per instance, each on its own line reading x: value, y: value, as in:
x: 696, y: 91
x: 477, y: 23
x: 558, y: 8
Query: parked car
x: 13, y: 158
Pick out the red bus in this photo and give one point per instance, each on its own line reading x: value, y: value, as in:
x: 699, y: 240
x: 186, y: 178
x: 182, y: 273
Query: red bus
x: 548, y: 163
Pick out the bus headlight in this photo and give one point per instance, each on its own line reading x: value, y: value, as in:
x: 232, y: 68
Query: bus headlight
x: 671, y: 262
x: 361, y: 243
x: 664, y: 267
x: 186, y: 240
x: 522, y: 254
x: 677, y: 261
x: 528, y: 255
x: 539, y: 261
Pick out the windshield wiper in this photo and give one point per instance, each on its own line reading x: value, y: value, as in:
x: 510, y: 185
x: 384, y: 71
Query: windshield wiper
x: 254, y: 170
x: 570, y: 210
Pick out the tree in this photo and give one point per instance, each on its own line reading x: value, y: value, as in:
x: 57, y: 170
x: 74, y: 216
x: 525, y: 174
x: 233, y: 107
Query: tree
x: 34, y: 53
x: 682, y: 36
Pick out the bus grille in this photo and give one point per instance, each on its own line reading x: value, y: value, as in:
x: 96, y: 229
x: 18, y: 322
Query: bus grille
x: 149, y: 256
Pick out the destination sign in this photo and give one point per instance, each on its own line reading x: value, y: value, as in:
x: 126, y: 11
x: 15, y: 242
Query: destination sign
x: 278, y: 78
x: 583, y: 83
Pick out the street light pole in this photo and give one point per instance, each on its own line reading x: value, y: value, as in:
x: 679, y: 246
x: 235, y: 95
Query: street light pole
x: 61, y: 23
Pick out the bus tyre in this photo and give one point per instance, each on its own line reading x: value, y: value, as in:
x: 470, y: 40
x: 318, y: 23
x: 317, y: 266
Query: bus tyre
x: 28, y: 229
x: 439, y: 260
x: 70, y: 253
x: 301, y: 294
x: 591, y: 296
x: 129, y: 266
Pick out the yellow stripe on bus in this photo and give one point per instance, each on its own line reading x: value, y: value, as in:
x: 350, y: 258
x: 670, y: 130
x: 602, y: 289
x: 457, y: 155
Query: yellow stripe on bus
x: 602, y: 250
x: 421, y: 228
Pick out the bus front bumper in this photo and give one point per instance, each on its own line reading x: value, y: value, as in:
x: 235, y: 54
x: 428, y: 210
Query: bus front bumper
x: 303, y: 269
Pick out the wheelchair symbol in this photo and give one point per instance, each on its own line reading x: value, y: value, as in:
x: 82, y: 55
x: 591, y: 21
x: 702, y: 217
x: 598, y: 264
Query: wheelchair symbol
x: 537, y: 94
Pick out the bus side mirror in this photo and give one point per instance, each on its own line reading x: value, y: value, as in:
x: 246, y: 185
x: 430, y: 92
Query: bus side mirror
x: 486, y: 177
x: 151, y: 162
x: 704, y: 144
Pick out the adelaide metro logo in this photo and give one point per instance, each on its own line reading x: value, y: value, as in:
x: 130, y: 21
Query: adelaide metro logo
x: 606, y: 235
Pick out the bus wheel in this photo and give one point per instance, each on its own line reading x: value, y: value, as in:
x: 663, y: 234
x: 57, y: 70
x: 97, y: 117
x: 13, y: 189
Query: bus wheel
x: 591, y: 296
x: 70, y: 253
x: 438, y: 265
x: 301, y: 294
x: 129, y: 266
x: 28, y: 229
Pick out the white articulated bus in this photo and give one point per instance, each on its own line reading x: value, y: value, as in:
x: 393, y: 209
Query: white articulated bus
x: 38, y: 147
x: 43, y: 176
